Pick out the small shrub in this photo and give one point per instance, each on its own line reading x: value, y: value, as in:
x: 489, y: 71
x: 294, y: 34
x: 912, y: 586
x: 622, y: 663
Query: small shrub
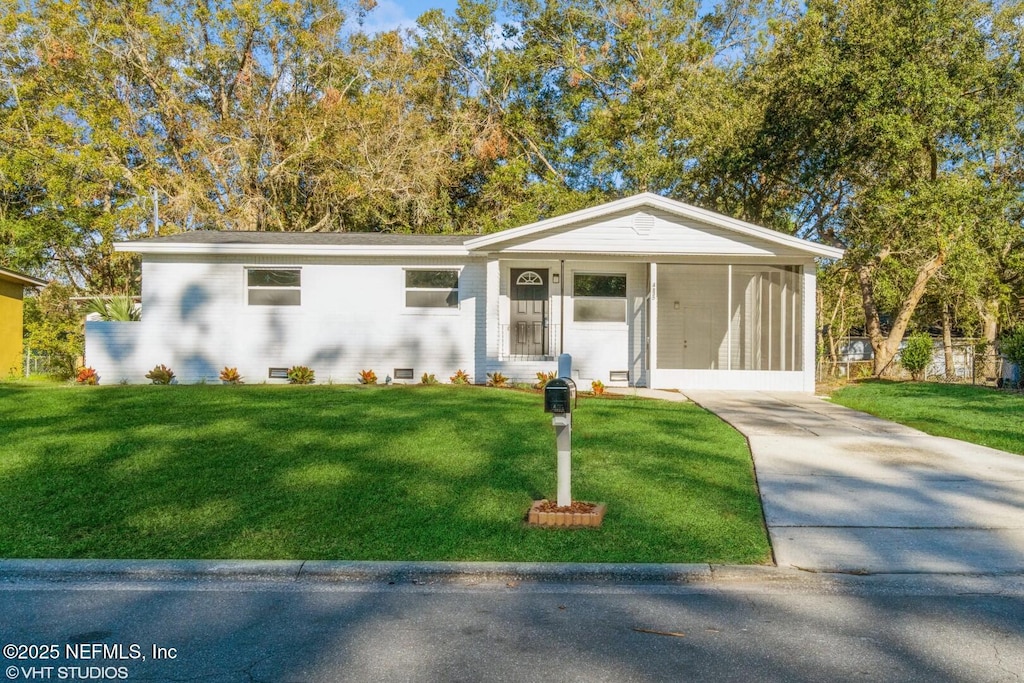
x: 496, y: 379
x: 917, y: 354
x: 230, y: 376
x: 367, y: 377
x: 862, y: 370
x: 300, y: 374
x: 597, y: 386
x: 1011, y: 345
x: 460, y: 377
x: 544, y: 377
x: 161, y: 374
x: 87, y: 376
x: 428, y: 379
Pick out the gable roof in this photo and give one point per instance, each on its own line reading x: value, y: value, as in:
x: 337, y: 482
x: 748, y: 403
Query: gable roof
x: 495, y: 241
x: 21, y: 278
x: 390, y: 244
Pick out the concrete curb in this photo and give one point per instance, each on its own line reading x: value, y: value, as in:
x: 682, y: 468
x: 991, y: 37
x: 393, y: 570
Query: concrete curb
x: 341, y: 571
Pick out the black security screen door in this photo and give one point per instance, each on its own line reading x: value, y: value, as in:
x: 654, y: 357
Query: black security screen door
x: 529, y: 319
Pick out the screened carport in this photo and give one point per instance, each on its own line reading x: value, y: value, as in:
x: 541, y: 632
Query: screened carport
x: 727, y: 317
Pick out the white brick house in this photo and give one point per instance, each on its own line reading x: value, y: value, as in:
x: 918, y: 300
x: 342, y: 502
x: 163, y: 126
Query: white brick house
x: 643, y: 291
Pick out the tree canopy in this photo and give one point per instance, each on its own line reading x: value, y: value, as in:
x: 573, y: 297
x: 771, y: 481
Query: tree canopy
x: 892, y: 129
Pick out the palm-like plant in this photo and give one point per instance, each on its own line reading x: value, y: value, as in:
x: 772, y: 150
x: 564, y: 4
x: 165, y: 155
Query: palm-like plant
x: 119, y: 307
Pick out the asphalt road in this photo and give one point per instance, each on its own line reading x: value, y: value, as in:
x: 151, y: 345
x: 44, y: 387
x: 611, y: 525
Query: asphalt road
x: 790, y: 627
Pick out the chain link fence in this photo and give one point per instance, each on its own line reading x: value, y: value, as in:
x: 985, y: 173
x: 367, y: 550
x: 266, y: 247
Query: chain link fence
x: 36, y: 363
x: 973, y: 362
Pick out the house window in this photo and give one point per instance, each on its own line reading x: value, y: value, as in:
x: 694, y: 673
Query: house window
x: 274, y: 286
x: 530, y: 278
x: 599, y: 297
x: 431, y: 289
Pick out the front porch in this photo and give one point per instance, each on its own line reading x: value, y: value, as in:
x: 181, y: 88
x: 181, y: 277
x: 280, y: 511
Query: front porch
x: 669, y: 325
x: 594, y: 310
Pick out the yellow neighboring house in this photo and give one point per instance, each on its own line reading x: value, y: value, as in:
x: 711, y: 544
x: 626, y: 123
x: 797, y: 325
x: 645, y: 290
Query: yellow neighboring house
x: 12, y: 289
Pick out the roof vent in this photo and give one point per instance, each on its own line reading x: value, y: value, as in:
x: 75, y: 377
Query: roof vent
x: 643, y: 223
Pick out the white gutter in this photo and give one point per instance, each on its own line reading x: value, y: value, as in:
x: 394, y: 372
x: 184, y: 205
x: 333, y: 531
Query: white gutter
x: 193, y: 248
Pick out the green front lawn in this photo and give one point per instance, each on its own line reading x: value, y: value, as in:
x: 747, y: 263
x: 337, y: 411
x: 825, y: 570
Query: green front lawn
x: 977, y: 414
x: 362, y: 473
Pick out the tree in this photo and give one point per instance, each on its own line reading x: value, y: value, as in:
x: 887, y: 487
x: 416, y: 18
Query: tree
x: 876, y: 117
x: 54, y: 329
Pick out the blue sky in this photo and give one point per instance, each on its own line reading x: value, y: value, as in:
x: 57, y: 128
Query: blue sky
x: 391, y: 14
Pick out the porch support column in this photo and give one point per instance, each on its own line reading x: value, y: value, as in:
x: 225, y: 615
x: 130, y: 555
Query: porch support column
x: 491, y: 322
x: 652, y: 331
x: 728, y: 318
x: 561, y: 306
x: 810, y: 322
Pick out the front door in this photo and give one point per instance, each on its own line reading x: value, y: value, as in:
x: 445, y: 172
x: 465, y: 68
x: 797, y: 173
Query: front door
x: 698, y: 347
x: 529, y: 319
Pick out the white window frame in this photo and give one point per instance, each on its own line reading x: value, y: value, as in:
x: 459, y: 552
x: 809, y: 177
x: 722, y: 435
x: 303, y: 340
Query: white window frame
x: 624, y: 299
x: 284, y: 288
x: 431, y: 309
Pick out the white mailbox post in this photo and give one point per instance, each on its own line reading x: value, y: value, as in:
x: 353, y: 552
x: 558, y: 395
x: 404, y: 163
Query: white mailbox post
x: 558, y: 401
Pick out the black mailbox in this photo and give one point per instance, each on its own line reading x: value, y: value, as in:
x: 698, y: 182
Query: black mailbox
x: 557, y: 396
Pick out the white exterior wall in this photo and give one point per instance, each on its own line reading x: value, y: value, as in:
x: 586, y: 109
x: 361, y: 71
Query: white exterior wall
x: 352, y: 317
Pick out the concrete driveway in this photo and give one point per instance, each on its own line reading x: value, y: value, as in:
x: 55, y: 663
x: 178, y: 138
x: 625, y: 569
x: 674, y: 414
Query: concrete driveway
x: 844, y: 491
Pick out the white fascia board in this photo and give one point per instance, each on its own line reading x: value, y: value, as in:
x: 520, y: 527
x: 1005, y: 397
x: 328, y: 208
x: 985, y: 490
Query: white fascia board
x: 793, y: 258
x: 656, y: 201
x: 21, y: 279
x: 289, y: 249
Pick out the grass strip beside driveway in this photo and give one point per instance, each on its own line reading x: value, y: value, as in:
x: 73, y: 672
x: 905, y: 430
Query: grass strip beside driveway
x: 980, y: 415
x: 362, y: 473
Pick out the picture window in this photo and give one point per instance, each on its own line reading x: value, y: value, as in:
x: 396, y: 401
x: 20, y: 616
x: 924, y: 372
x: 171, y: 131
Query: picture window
x: 599, y: 297
x: 431, y: 289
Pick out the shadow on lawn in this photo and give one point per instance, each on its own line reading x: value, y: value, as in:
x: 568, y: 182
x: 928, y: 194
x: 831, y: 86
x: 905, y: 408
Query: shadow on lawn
x: 361, y: 473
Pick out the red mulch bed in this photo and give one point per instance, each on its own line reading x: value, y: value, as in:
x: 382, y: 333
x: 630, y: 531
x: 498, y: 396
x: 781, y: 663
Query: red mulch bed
x: 577, y: 506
